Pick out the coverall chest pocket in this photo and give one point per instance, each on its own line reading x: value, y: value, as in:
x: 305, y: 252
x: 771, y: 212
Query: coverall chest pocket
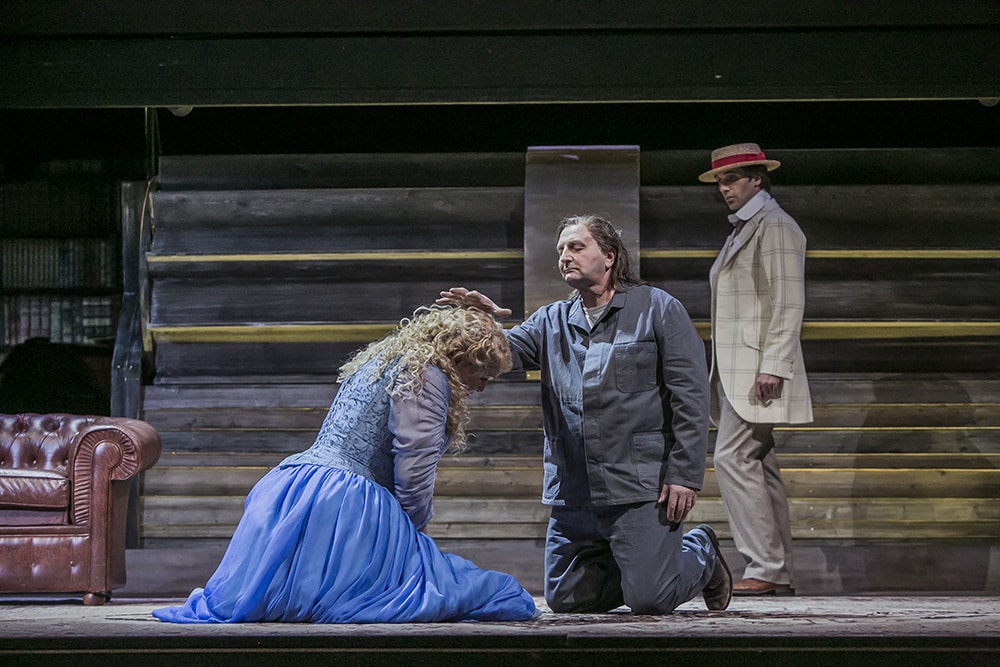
x: 635, y: 366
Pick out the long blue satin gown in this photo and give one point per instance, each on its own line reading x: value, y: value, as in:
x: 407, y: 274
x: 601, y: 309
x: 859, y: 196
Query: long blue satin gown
x: 332, y: 534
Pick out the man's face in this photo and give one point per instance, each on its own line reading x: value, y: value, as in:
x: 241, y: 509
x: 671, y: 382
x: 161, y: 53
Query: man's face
x: 582, y: 263
x: 736, y: 188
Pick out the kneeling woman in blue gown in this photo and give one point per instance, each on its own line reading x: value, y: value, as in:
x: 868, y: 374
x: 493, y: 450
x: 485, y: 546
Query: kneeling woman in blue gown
x: 335, y: 534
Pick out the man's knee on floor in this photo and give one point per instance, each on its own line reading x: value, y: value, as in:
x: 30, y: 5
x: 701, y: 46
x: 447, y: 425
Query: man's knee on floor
x: 645, y: 603
x: 574, y: 604
x: 561, y: 606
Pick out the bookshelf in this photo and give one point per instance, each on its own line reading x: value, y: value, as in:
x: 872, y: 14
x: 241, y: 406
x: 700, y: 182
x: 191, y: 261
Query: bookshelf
x: 59, y: 260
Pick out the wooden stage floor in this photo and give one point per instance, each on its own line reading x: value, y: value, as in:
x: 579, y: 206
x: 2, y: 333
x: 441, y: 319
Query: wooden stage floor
x: 801, y: 630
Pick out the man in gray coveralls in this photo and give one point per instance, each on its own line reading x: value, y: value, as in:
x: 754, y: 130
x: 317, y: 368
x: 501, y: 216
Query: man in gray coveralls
x: 625, y: 402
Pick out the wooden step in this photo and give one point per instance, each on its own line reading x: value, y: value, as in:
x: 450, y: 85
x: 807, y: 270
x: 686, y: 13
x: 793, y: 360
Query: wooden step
x: 219, y: 461
x: 952, y: 216
x: 917, y: 476
x: 350, y: 170
x: 335, y: 220
x: 826, y: 388
x: 508, y: 418
x: 843, y: 440
x: 500, y: 517
x: 438, y: 265
x: 284, y: 418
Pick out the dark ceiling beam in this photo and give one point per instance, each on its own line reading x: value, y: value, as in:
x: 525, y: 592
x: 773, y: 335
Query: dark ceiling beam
x: 247, y: 17
x: 525, y: 69
x: 62, y: 57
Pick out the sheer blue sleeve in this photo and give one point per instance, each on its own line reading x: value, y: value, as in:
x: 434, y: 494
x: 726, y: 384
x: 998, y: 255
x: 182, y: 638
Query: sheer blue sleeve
x: 418, y: 428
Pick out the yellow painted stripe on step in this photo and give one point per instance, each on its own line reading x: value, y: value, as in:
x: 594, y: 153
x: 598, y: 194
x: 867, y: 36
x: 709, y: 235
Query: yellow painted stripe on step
x: 677, y: 253
x: 273, y: 333
x: 363, y: 333
x: 831, y: 330
x: 930, y: 253
x: 935, y: 253
x: 339, y: 256
x: 885, y: 428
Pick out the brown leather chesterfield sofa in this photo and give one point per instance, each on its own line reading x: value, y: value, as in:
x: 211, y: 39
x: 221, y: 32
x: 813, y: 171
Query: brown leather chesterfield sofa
x: 64, y: 486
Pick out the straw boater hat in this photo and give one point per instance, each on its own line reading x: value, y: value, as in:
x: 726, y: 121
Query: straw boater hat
x: 737, y: 155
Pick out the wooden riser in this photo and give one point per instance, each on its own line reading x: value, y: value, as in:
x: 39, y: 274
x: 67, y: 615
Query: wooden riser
x: 526, y: 481
x: 506, y: 518
x: 835, y: 566
x: 798, y: 440
x: 520, y: 418
x: 826, y: 388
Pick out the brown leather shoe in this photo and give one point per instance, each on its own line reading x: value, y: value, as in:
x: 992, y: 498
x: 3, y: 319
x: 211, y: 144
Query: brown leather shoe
x: 719, y: 591
x: 753, y: 586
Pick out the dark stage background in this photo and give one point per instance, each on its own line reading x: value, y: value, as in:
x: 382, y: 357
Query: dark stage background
x: 31, y: 137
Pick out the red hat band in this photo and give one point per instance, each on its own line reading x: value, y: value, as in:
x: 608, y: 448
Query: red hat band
x: 733, y: 159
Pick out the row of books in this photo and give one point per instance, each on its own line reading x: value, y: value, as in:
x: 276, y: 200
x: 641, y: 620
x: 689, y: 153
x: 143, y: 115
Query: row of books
x: 59, y: 319
x: 58, y: 263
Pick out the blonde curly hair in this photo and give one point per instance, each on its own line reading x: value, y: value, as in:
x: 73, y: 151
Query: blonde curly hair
x: 434, y: 335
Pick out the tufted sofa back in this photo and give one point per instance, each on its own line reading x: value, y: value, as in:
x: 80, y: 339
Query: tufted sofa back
x: 39, y: 442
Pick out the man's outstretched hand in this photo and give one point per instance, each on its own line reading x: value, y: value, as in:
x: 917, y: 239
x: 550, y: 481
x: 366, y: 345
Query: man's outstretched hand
x: 463, y: 297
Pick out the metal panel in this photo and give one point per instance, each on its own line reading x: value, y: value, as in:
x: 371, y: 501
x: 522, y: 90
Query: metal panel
x: 568, y: 180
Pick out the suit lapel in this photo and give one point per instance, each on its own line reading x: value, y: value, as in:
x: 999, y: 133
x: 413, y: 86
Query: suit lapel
x: 734, y: 247
x: 749, y: 229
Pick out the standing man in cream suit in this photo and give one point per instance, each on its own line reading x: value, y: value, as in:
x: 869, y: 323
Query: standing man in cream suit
x: 758, y: 377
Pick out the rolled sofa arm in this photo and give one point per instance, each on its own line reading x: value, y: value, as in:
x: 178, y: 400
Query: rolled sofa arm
x: 110, y: 449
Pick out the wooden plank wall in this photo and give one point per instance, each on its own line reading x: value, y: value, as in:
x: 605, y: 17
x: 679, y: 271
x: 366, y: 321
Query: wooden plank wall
x: 267, y: 271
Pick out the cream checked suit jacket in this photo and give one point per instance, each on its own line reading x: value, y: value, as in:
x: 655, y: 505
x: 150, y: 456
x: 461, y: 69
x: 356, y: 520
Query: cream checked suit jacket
x: 758, y: 298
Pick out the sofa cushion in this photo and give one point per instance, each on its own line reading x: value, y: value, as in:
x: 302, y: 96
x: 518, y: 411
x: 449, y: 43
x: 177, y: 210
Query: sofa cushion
x: 33, y: 518
x: 25, y: 489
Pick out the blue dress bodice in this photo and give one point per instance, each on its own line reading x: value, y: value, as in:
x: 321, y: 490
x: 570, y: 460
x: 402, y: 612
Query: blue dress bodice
x: 355, y: 434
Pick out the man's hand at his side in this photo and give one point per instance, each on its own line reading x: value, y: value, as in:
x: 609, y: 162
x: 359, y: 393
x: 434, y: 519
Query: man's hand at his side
x: 676, y: 502
x: 767, y: 387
